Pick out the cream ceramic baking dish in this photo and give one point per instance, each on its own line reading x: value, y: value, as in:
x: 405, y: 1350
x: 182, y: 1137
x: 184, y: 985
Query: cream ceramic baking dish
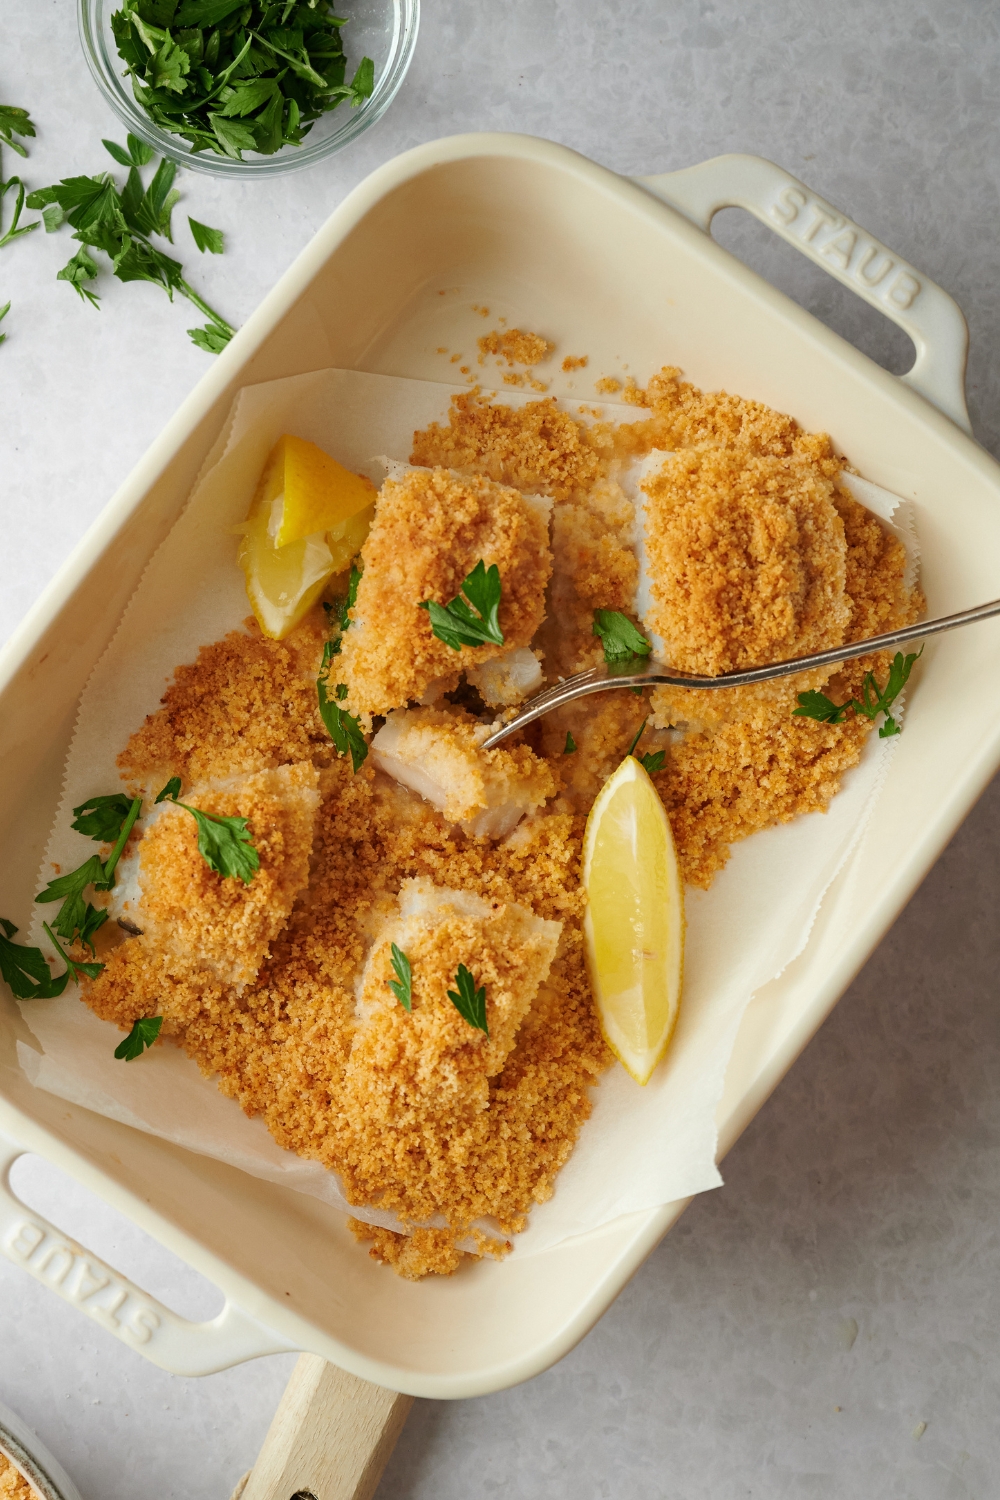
x: 622, y: 271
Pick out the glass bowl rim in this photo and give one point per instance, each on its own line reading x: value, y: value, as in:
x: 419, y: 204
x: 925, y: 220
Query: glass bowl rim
x: 130, y: 113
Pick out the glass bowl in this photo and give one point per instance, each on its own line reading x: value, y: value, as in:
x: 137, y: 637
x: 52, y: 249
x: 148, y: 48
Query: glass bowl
x: 384, y: 30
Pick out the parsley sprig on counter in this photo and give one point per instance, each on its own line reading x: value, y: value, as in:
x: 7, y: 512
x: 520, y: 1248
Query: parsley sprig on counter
x: 230, y: 76
x: 223, y: 843
x: 874, y: 700
x: 474, y: 619
x: 120, y: 223
x: 14, y: 122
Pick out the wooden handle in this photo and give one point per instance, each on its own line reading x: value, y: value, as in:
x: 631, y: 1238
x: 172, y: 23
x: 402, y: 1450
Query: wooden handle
x: 330, y: 1438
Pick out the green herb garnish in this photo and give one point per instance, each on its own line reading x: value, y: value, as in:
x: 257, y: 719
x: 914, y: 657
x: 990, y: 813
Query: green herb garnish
x: 402, y: 985
x: 143, y: 1035
x: 119, y: 223
x: 14, y: 122
x: 469, y: 1002
x: 342, y: 727
x: 570, y: 744
x: 874, y: 701
x: 223, y: 843
x: 654, y: 760
x: 101, y: 818
x: 208, y: 239
x: 75, y: 915
x: 619, y: 637
x: 474, y: 619
x: 230, y: 76
x: 72, y: 967
x: 26, y: 970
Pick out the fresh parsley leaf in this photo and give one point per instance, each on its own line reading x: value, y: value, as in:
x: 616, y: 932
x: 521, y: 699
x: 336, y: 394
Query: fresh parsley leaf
x: 341, y: 691
x: 342, y: 727
x: 14, y: 121
x: 72, y: 967
x: 204, y: 13
x: 232, y: 137
x: 119, y: 153
x: 123, y: 834
x: 469, y: 1002
x: 619, y: 637
x: 402, y: 985
x: 205, y: 238
x: 143, y: 1035
x: 74, y: 914
x: 26, y: 970
x: 120, y: 224
x: 813, y: 705
x: 211, y: 338
x: 570, y: 745
x: 93, y: 918
x: 223, y: 843
x: 363, y: 82
x: 474, y: 619
x: 82, y: 268
x: 15, y: 184
x: 873, y: 701
x: 3, y: 313
x: 101, y: 818
x: 653, y: 762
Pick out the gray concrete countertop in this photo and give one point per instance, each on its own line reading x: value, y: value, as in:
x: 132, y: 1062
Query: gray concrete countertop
x: 828, y: 1324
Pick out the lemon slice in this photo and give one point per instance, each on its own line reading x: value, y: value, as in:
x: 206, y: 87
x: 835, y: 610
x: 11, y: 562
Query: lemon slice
x: 308, y: 519
x: 634, y: 923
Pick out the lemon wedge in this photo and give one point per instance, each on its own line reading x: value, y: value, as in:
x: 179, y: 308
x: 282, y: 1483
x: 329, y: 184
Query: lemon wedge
x: 308, y: 519
x: 634, y: 922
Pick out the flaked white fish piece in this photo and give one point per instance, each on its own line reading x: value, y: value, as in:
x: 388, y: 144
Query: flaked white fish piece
x: 507, y: 679
x: 437, y: 754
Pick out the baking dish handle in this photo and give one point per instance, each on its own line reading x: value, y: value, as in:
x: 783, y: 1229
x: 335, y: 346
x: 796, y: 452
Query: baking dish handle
x: 923, y: 310
x: 117, y: 1304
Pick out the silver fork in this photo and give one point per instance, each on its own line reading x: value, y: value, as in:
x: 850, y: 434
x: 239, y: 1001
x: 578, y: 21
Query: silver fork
x: 645, y: 672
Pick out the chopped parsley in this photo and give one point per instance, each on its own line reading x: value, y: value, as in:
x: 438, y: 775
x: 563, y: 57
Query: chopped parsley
x: 230, y: 76
x: 474, y: 619
x: 72, y: 967
x: 402, y: 985
x: 619, y: 637
x: 143, y: 1035
x: 205, y: 238
x: 26, y: 969
x: 76, y: 915
x: 102, y: 819
x: 469, y: 1002
x: 342, y: 727
x: 874, y: 700
x: 570, y: 745
x: 14, y: 121
x: 223, y: 843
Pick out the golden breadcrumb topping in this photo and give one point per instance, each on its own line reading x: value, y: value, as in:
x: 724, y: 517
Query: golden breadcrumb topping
x: 14, y: 1486
x: 575, y: 362
x: 608, y: 385
x: 757, y: 551
x: 515, y: 347
x: 246, y: 704
x: 429, y: 532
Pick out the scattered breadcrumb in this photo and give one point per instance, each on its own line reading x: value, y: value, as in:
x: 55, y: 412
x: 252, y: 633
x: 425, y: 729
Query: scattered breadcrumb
x: 442, y: 349
x: 515, y: 347
x: 13, y: 1485
x: 575, y: 362
x: 607, y: 385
